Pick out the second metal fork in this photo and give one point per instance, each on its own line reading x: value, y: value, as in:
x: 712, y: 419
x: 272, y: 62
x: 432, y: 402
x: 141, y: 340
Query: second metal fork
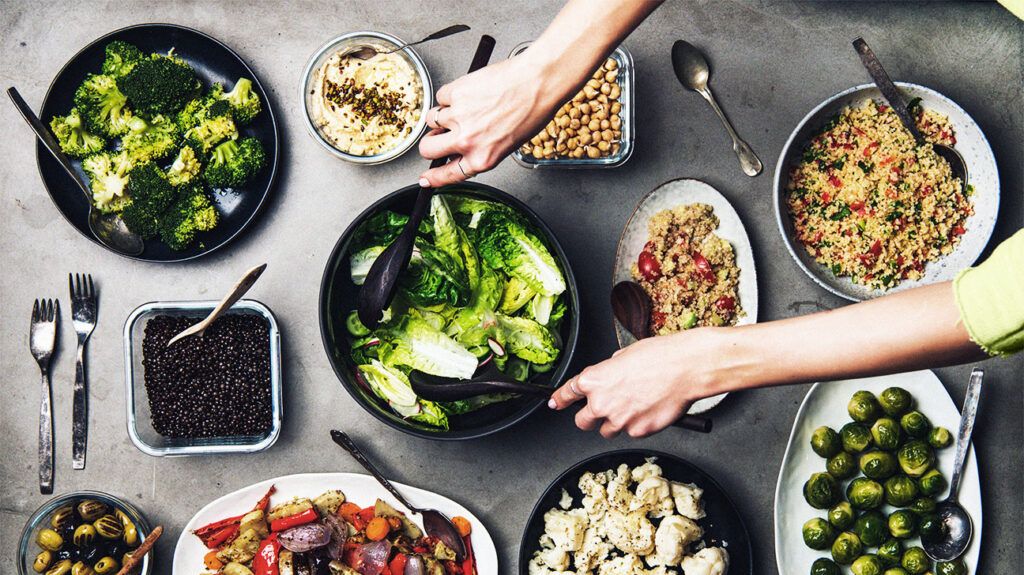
x: 83, y: 314
x: 42, y: 339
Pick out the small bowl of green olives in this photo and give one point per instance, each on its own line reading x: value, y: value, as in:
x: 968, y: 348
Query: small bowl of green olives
x: 82, y: 533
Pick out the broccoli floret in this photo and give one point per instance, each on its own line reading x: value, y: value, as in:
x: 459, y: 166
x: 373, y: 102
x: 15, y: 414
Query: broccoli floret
x: 121, y: 58
x: 103, y: 107
x: 234, y: 163
x: 160, y: 85
x: 192, y: 212
x: 108, y: 178
x: 75, y: 140
x: 185, y: 167
x: 151, y: 195
x: 245, y: 104
x: 210, y: 132
x: 149, y: 141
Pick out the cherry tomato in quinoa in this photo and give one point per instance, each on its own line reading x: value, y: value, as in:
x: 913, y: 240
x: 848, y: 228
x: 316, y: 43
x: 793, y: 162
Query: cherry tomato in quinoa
x: 703, y: 267
x: 648, y: 266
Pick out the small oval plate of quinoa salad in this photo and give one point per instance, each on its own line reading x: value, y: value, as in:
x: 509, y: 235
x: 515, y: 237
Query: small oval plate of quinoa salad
x: 865, y: 211
x: 686, y: 246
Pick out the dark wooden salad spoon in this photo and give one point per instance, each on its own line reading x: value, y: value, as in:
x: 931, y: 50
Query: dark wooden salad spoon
x: 632, y: 307
x: 435, y: 523
x: 378, y: 290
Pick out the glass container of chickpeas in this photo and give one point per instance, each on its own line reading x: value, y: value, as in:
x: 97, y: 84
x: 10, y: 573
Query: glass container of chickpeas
x: 594, y: 129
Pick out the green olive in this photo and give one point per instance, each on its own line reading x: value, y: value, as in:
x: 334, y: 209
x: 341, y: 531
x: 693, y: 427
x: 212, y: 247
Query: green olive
x: 109, y: 527
x: 81, y: 568
x: 91, y: 510
x: 84, y: 535
x: 131, y: 535
x: 63, y: 517
x: 105, y: 565
x: 42, y: 561
x: 60, y: 568
x: 49, y: 539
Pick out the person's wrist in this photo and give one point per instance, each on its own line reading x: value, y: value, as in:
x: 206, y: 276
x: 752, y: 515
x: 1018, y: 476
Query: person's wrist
x: 730, y: 362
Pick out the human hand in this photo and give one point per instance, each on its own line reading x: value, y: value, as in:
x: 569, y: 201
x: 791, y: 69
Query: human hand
x: 646, y: 386
x: 483, y: 116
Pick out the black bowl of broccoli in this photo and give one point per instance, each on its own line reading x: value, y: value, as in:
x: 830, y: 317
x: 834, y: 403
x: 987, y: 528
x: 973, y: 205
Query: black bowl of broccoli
x: 488, y: 284
x: 172, y: 130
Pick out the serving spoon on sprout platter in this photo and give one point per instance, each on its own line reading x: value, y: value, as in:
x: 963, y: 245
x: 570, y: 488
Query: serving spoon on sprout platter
x: 435, y: 523
x: 367, y: 52
x: 108, y: 228
x: 956, y: 162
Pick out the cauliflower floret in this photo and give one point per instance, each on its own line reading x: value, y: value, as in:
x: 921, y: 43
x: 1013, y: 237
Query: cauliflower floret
x: 595, y: 498
x: 671, y: 539
x: 628, y: 564
x: 566, y: 500
x: 537, y: 567
x: 555, y: 559
x: 650, y: 495
x: 630, y: 532
x: 619, y: 493
x: 593, y: 551
x: 565, y: 528
x: 648, y: 469
x: 708, y: 561
x: 688, y: 500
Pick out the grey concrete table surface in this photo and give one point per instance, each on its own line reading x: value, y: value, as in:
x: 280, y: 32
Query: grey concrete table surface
x: 773, y: 61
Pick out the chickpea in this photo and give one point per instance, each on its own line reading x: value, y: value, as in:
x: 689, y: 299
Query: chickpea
x: 537, y: 152
x: 616, y: 147
x: 535, y: 140
x: 616, y: 122
x: 584, y: 130
x: 611, y: 64
x: 598, y: 74
x: 614, y: 91
x: 589, y: 92
x: 601, y: 115
x: 593, y: 153
x: 594, y: 125
x: 561, y: 147
x: 606, y: 89
x: 603, y: 98
x: 596, y: 136
x: 584, y: 108
x: 572, y: 144
x: 575, y: 113
x: 578, y: 152
x: 585, y: 119
x: 552, y: 130
x: 604, y: 146
x: 578, y: 98
x: 574, y: 124
x: 607, y: 135
x: 585, y: 139
x: 544, y: 136
x: 562, y: 121
x: 616, y: 107
x: 605, y: 124
x: 594, y: 83
x: 611, y: 75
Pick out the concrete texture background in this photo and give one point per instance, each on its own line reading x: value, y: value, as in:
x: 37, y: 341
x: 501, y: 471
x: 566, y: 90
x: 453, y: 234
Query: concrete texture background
x: 773, y: 61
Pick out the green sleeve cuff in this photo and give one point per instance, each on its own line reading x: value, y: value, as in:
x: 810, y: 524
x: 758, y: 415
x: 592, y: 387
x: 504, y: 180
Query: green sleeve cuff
x: 990, y: 297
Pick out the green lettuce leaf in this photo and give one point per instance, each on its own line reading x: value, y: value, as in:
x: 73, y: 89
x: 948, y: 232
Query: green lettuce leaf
x: 417, y: 344
x: 506, y: 244
x: 528, y: 339
x: 360, y: 263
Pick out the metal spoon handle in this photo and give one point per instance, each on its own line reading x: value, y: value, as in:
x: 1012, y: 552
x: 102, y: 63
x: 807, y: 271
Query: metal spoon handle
x: 346, y: 443
x: 47, y: 139
x: 444, y: 33
x: 749, y: 162
x: 888, y: 89
x: 963, y: 437
x: 236, y: 293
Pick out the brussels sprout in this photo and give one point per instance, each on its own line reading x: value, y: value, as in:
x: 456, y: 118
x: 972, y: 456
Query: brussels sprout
x: 895, y: 571
x: 864, y: 493
x: 932, y: 483
x: 895, y: 401
x: 915, y: 561
x: 890, y: 552
x: 915, y: 424
x: 878, y: 464
x: 818, y: 534
x: 867, y: 565
x: 825, y: 566
x: 825, y: 442
x: 846, y: 548
x: 886, y: 434
x: 915, y: 457
x: 856, y: 437
x: 932, y: 528
x: 940, y: 438
x: 900, y: 490
x: 955, y: 567
x: 923, y: 505
x: 821, y: 491
x: 864, y: 407
x: 842, y: 515
x: 871, y: 528
x: 842, y: 465
x: 903, y: 523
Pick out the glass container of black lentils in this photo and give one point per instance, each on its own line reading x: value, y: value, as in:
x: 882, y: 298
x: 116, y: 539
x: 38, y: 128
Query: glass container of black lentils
x: 219, y: 392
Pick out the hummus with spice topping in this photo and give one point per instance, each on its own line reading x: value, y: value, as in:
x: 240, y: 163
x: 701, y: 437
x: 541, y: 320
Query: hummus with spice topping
x: 366, y: 107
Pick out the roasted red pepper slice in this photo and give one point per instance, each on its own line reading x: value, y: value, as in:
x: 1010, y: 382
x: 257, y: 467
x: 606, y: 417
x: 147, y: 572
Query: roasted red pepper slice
x: 469, y: 563
x: 301, y: 518
x: 221, y: 536
x: 215, y: 534
x: 397, y: 565
x: 266, y: 560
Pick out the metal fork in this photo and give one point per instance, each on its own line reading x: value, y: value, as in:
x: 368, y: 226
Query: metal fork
x: 42, y: 340
x: 83, y: 315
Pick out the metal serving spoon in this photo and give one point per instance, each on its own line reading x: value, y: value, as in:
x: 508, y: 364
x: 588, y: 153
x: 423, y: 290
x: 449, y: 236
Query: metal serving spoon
x: 692, y: 69
x: 367, y: 52
x: 433, y: 388
x: 229, y: 300
x: 958, y: 526
x: 436, y: 524
x: 107, y: 228
x: 381, y: 282
x: 899, y: 105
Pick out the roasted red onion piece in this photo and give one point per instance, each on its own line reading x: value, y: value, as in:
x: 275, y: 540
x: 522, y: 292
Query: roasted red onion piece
x: 304, y: 537
x: 370, y: 558
x: 338, y: 529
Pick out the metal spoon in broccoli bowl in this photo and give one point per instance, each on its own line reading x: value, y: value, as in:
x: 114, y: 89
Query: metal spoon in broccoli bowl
x: 108, y: 228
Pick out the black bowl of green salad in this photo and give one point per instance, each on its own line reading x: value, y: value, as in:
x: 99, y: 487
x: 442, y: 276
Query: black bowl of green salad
x: 487, y: 283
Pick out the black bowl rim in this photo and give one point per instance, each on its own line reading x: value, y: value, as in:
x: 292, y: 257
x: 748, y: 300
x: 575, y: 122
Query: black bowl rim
x: 42, y: 152
x: 524, y: 561
x: 531, y: 405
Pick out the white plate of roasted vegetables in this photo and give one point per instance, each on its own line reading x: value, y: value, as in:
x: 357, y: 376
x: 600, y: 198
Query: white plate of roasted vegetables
x: 327, y: 523
x: 864, y: 508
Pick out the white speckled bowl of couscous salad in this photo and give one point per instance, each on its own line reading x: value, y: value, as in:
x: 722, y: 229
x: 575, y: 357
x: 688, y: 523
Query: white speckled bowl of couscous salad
x: 865, y: 212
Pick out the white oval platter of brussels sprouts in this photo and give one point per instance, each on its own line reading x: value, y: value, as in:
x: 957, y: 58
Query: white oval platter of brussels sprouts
x: 866, y: 461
